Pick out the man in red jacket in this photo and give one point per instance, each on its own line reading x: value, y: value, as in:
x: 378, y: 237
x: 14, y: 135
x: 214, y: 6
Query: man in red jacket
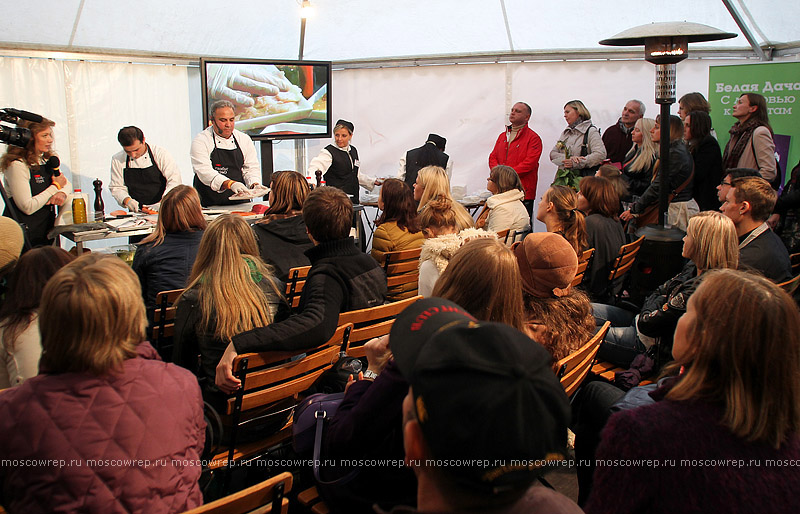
x: 520, y: 147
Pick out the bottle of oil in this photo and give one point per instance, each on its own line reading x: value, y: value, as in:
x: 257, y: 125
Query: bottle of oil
x: 78, y: 208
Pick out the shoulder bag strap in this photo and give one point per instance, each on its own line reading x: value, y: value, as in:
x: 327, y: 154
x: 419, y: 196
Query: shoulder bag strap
x: 321, y: 415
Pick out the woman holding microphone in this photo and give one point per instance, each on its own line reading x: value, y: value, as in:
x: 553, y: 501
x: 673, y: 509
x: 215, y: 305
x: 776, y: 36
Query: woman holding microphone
x: 32, y: 186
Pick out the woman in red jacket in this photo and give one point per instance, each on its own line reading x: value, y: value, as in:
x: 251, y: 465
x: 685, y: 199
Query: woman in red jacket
x: 106, y: 426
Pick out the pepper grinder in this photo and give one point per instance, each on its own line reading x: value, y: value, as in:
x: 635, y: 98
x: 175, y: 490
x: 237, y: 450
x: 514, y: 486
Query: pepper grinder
x: 98, y: 200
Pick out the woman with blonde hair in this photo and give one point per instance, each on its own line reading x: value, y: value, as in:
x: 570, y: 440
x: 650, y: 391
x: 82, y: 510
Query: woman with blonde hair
x: 558, y: 210
x: 102, y: 396
x: 231, y: 290
x: 282, y: 236
x: 580, y: 140
x: 739, y: 344
x: 639, y: 163
x: 504, y: 209
x: 439, y: 224
x: 432, y: 182
x: 710, y: 243
x: 32, y: 186
x: 164, y: 259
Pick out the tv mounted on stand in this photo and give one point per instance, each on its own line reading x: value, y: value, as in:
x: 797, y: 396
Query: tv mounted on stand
x: 273, y: 99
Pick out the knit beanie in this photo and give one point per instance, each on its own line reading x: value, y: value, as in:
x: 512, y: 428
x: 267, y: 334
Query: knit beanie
x: 547, y: 263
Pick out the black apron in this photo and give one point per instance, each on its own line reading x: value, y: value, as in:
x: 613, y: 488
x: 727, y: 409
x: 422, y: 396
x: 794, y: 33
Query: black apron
x: 343, y: 172
x: 40, y: 222
x: 145, y: 185
x: 224, y: 162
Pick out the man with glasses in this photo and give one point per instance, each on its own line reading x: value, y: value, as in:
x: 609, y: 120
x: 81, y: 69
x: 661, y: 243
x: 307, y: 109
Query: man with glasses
x: 141, y: 173
x: 730, y: 174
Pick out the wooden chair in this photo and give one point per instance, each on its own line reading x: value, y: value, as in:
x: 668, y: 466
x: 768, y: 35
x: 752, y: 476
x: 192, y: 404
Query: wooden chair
x: 623, y: 263
x: 517, y: 235
x: 790, y: 286
x: 503, y: 235
x: 268, y: 496
x: 573, y: 368
x: 584, y: 263
x: 372, y: 322
x: 795, y: 260
x: 267, y: 380
x: 163, y: 329
x: 295, y: 284
x: 402, y: 273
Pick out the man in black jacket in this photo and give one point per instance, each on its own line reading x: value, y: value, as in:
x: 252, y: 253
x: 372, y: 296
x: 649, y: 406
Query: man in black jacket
x: 341, y: 279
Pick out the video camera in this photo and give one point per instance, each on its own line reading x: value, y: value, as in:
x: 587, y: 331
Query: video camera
x: 17, y: 136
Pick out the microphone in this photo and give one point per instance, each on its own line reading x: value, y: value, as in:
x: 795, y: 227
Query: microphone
x: 53, y: 164
x: 25, y: 115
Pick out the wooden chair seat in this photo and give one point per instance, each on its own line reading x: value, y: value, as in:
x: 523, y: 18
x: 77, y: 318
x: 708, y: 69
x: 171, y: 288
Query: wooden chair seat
x: 268, y: 496
x: 608, y: 371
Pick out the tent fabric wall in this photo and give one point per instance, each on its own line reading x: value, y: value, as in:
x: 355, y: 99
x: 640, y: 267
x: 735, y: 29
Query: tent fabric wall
x: 393, y: 109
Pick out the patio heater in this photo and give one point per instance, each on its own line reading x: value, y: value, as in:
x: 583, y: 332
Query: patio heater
x: 665, y: 45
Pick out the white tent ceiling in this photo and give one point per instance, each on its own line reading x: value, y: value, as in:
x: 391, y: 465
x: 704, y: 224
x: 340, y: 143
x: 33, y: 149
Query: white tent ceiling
x: 346, y: 30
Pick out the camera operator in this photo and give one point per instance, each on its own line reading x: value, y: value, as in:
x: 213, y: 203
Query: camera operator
x: 32, y: 186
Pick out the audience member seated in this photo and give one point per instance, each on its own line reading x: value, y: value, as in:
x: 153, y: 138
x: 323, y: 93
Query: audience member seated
x: 559, y: 317
x: 282, y: 236
x: 396, y: 228
x: 341, y: 279
x: 126, y: 428
x: 682, y: 206
x: 164, y: 259
x: 707, y: 158
x: 559, y: 212
x: 710, y: 243
x: 480, y: 392
x: 19, y: 314
x: 11, y: 243
x: 785, y: 220
x: 582, y: 139
x: 504, y: 209
x: 614, y: 175
x: 730, y: 174
x: 604, y: 233
x: 438, y: 221
x: 231, y: 290
x: 749, y: 202
x: 432, y: 182
x: 738, y: 400
x: 640, y: 162
x: 489, y: 297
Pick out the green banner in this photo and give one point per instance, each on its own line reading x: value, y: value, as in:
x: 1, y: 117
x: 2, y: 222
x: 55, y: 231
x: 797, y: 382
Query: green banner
x: 780, y: 85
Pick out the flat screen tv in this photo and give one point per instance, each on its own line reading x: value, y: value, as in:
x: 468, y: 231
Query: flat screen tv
x: 273, y: 99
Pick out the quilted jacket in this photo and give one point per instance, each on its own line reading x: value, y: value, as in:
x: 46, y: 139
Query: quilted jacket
x: 123, y: 442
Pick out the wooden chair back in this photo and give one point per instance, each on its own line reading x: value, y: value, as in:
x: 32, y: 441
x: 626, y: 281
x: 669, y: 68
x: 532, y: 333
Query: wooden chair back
x: 573, y: 368
x: 295, y: 284
x: 795, y: 260
x: 517, y: 235
x: 269, y: 378
x: 502, y: 235
x: 790, y: 286
x: 163, y: 329
x: 402, y: 272
x: 584, y: 263
x: 372, y: 322
x: 624, y: 262
x: 267, y: 496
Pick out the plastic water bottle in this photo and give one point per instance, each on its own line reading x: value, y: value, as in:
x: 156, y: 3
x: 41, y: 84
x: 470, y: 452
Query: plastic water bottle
x: 78, y: 208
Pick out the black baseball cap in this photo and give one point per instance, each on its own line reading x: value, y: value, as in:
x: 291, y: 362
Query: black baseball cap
x: 491, y: 408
